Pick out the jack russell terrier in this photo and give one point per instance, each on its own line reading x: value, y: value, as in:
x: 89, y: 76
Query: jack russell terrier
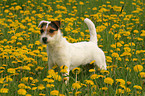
x: 61, y: 52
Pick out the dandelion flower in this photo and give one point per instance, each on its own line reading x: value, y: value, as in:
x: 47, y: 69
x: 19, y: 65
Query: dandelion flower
x: 63, y: 69
x: 22, y: 85
x: 41, y: 94
x: 34, y: 88
x: 78, y: 92
x: 138, y: 68
x: 92, y: 62
x: 39, y: 68
x: 121, y: 81
x: 115, y: 55
x: 119, y: 91
x: 22, y: 92
x: 104, y: 88
x: 94, y: 76
x: 89, y: 82
x: 109, y: 80
x: 41, y: 87
x: 92, y: 70
x: 127, y: 89
x: 2, y: 80
x: 76, y: 70
x: 76, y: 86
x: 54, y: 92
x: 128, y: 83
x: 104, y: 72
x: 4, y: 90
x: 142, y: 74
x: 50, y: 85
x: 137, y: 87
x: 11, y: 70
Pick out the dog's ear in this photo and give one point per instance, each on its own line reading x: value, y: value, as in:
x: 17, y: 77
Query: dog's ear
x: 56, y: 23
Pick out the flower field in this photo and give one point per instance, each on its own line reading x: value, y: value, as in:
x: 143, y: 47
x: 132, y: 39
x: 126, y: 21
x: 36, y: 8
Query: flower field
x: 120, y: 26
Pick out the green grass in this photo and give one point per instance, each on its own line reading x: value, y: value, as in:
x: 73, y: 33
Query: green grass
x: 121, y: 35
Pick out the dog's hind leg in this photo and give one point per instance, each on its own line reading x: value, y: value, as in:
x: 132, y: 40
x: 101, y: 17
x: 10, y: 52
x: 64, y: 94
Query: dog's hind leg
x: 100, y: 61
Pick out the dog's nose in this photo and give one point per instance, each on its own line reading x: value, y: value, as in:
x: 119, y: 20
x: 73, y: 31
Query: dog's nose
x: 44, y: 39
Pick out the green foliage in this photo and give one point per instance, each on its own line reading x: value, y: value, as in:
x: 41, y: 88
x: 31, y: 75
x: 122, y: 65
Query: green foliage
x: 120, y: 31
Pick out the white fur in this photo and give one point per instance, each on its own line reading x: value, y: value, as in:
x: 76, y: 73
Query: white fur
x: 61, y: 52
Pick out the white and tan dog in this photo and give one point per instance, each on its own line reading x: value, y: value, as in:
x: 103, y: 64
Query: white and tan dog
x: 61, y: 52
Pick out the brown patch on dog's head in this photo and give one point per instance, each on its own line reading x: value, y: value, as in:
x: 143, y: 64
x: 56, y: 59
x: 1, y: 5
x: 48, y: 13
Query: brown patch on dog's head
x: 52, y: 28
x: 55, y: 24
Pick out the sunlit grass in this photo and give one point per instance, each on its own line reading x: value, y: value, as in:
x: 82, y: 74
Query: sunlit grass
x: 120, y: 30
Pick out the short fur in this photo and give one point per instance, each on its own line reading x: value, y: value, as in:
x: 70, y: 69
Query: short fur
x: 61, y: 52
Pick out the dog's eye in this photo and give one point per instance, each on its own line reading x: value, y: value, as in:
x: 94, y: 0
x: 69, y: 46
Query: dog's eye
x: 51, y: 31
x: 41, y: 31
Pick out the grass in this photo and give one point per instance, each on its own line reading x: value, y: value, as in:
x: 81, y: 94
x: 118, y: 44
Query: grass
x: 121, y: 35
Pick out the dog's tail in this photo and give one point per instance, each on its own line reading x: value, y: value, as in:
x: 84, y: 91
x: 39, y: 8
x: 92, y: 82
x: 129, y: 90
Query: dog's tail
x: 92, y: 29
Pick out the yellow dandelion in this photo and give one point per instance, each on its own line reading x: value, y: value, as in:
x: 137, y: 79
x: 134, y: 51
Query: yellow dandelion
x: 25, y: 68
x: 4, y: 90
x: 119, y: 91
x: 89, y: 82
x: 76, y: 70
x: 8, y: 79
x: 81, y: 3
x: 135, y: 31
x: 22, y: 92
x: 76, y: 86
x: 138, y: 68
x: 109, y: 80
x: 104, y: 88
x: 22, y: 85
x: 6, y: 11
x: 54, y: 92
x: 94, y: 76
x: 104, y: 72
x: 115, y: 55
x: 120, y: 81
x: 128, y: 83
x: 41, y: 94
x: 34, y: 88
x: 51, y: 72
x: 28, y: 95
x: 92, y: 62
x: 39, y: 68
x: 57, y: 77
x: 78, y: 92
x: 127, y: 90
x: 61, y: 95
x: 41, y: 87
x: 25, y: 79
x: 63, y: 69
x: 50, y: 85
x: 92, y: 70
x: 142, y: 74
x: 137, y: 87
x: 11, y: 70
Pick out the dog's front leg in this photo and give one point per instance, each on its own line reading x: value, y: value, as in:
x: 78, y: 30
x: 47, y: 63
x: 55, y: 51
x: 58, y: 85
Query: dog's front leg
x: 50, y: 63
x: 67, y: 76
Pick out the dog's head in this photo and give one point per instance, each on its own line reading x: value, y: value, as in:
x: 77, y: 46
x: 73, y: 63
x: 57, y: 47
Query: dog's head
x: 50, y: 31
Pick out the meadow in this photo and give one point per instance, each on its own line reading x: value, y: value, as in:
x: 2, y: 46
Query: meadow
x: 120, y: 26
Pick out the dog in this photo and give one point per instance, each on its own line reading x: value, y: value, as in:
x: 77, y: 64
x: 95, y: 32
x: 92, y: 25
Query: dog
x: 61, y: 52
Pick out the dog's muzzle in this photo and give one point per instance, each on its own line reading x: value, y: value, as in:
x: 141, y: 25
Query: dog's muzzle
x: 44, y: 39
